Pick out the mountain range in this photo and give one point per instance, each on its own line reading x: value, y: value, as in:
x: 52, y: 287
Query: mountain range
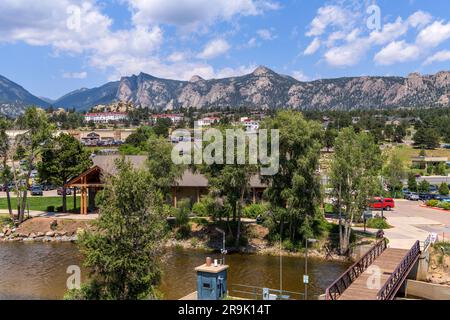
x: 263, y: 88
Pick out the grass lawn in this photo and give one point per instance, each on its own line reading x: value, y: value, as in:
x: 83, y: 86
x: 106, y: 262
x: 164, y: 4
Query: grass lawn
x: 407, y: 152
x: 40, y: 203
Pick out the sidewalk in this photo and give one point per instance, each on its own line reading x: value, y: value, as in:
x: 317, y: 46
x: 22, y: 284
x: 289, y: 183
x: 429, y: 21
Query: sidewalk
x: 68, y: 216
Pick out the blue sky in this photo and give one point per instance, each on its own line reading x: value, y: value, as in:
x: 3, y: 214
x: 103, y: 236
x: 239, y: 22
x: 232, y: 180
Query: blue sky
x: 52, y: 47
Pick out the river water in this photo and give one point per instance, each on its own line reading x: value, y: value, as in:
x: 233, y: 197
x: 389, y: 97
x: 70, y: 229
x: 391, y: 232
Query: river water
x: 38, y: 271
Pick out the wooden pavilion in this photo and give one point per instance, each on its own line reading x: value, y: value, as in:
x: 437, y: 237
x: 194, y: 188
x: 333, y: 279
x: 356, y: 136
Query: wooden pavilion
x: 190, y: 186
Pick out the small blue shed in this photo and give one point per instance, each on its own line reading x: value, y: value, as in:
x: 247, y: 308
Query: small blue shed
x: 211, y: 282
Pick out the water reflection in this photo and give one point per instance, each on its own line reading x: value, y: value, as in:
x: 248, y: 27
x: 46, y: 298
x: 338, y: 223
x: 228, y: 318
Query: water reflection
x: 38, y: 271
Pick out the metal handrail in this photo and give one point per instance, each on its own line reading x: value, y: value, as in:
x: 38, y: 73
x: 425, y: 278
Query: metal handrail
x: 335, y: 290
x: 426, y: 243
x: 394, y: 282
x: 256, y: 292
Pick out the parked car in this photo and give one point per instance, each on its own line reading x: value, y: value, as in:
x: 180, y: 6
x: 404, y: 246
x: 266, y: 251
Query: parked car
x: 407, y: 194
x: 382, y: 203
x: 48, y: 187
x: 36, y: 190
x: 61, y: 190
x: 425, y: 196
x: 414, y: 197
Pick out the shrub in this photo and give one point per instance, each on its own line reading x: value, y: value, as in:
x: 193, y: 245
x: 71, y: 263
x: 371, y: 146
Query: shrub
x: 432, y: 203
x: 289, y: 245
x: 59, y: 209
x: 51, y: 209
x: 254, y: 210
x: 199, y: 209
x: 5, y: 220
x: 182, y: 219
x: 377, y: 223
x: 444, y: 205
x: 207, y: 206
x: 443, y: 189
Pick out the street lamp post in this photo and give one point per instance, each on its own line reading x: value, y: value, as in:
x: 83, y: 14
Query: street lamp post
x: 305, y: 276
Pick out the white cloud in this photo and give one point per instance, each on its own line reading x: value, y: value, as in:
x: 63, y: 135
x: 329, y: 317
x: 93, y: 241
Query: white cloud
x: 194, y: 14
x: 348, y: 54
x: 397, y: 52
x: 434, y: 34
x: 331, y: 15
x: 440, y: 56
x: 313, y: 47
x: 390, y: 32
x: 252, y: 43
x: 419, y: 19
x: 214, y: 48
x: 233, y: 72
x: 266, y: 34
x: 177, y: 57
x: 75, y: 75
x: 300, y: 75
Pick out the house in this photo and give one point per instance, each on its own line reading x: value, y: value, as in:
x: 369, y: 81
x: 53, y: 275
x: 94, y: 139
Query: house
x: 190, y: 186
x: 249, y: 124
x: 208, y: 121
x: 425, y: 162
x: 106, y: 117
x: 175, y: 118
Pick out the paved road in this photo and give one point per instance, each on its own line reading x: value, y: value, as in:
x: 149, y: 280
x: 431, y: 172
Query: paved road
x: 52, y: 193
x: 412, y: 222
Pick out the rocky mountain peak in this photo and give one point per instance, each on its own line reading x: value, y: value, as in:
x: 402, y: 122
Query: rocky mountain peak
x: 196, y: 79
x: 262, y: 71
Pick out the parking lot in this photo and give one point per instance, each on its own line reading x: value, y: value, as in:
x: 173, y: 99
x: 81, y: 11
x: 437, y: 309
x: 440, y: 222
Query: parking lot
x: 412, y: 222
x: 52, y: 193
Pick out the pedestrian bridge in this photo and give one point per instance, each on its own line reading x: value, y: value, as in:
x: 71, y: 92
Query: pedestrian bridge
x: 378, y: 275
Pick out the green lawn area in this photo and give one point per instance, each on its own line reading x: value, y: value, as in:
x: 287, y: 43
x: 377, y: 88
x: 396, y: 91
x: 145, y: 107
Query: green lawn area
x: 40, y: 203
x: 407, y: 152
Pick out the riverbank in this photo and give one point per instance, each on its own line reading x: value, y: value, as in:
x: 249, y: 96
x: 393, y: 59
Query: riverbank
x: 43, y: 229
x: 203, y: 236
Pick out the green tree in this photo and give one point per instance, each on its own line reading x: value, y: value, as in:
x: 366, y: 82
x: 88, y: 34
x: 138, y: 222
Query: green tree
x: 394, y: 172
x: 5, y: 170
x: 440, y: 169
x: 162, y: 127
x: 139, y: 138
x: 124, y: 249
x: 443, y: 189
x: 412, y: 182
x: 426, y: 138
x: 354, y: 176
x: 229, y: 181
x: 424, y: 186
x: 389, y: 132
x: 182, y: 217
x: 161, y: 168
x: 295, y: 191
x: 399, y: 134
x: 63, y: 158
x: 28, y: 147
x: 329, y: 138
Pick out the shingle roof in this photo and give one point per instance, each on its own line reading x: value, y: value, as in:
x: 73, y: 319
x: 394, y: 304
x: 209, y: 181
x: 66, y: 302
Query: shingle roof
x: 188, y: 179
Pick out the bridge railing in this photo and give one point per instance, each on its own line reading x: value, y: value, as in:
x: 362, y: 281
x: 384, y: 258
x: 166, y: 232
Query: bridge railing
x: 396, y: 279
x: 337, y: 288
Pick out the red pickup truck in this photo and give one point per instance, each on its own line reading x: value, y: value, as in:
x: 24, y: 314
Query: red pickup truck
x: 382, y: 203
